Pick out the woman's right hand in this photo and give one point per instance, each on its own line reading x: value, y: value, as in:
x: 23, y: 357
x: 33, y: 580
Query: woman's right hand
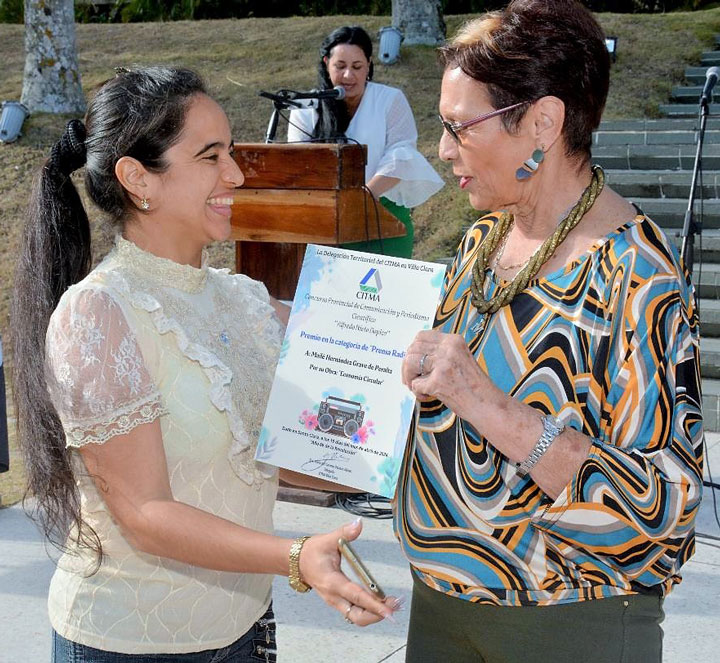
x: 320, y: 568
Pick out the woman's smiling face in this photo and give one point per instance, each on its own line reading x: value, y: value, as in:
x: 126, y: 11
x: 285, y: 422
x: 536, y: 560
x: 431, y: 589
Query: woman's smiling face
x: 194, y: 194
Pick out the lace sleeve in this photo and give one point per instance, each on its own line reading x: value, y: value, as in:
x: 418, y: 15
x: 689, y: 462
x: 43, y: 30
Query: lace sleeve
x: 96, y: 375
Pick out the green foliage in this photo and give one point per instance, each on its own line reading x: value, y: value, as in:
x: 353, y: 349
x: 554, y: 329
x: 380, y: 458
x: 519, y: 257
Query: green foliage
x: 137, y: 11
x: 617, y: 6
x: 164, y: 10
x: 333, y: 7
x: 644, y: 6
x: 11, y: 11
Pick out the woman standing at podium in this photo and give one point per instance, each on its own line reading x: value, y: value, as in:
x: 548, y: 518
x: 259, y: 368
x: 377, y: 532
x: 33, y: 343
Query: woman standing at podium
x: 375, y: 115
x: 140, y: 389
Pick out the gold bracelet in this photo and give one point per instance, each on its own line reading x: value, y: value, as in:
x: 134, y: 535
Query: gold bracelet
x: 294, y: 576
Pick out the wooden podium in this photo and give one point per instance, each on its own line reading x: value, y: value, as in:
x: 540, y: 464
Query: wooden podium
x: 300, y: 193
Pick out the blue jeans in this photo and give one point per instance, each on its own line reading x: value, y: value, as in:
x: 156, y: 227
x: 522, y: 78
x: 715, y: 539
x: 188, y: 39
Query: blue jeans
x: 257, y: 645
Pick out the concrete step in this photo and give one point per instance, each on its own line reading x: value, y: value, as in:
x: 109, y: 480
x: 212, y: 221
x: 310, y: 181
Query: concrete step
x: 663, y: 124
x: 711, y: 404
x: 670, y: 212
x: 709, y: 356
x: 707, y: 281
x: 663, y: 183
x: 710, y: 58
x: 696, y: 75
x: 690, y: 94
x: 707, y: 246
x: 682, y: 137
x: 710, y: 329
x: 655, y: 157
x: 686, y: 110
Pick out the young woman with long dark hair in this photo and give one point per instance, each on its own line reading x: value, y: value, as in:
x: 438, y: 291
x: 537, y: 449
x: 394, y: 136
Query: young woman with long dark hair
x: 140, y: 389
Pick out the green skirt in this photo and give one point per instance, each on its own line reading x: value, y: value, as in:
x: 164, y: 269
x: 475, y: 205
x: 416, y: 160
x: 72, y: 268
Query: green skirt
x: 400, y: 247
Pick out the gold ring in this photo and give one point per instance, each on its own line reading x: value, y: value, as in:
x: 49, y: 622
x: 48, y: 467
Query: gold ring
x: 347, y: 614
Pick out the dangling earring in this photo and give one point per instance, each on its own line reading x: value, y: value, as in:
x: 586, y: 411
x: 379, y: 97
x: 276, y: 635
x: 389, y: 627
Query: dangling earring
x: 527, y: 170
x: 144, y: 203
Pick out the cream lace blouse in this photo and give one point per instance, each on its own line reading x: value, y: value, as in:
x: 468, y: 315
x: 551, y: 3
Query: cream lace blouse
x: 142, y: 338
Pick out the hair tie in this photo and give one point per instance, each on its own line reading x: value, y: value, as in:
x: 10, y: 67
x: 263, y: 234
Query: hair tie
x: 69, y: 153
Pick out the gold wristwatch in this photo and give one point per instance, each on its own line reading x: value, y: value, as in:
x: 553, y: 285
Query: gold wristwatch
x: 294, y: 576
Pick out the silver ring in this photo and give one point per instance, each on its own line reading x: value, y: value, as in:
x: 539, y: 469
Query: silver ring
x: 347, y: 614
x: 422, y: 364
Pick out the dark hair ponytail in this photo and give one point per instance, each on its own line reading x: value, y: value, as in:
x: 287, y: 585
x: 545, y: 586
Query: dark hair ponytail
x: 333, y: 117
x: 138, y: 113
x: 54, y: 254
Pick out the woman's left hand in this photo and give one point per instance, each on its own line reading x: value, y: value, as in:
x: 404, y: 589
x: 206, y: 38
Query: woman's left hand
x: 439, y: 365
x: 320, y: 568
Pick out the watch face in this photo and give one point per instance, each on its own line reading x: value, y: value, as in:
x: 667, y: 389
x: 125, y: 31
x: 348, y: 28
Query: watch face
x: 554, y: 423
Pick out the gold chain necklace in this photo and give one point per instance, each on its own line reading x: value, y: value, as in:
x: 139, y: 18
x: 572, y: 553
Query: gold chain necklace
x: 501, y: 252
x: 499, y: 233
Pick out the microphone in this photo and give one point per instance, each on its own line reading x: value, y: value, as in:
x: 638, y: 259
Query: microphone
x: 338, y: 92
x: 711, y: 77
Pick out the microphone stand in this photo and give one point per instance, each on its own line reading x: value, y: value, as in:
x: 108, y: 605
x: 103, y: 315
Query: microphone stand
x: 280, y: 102
x: 690, y: 226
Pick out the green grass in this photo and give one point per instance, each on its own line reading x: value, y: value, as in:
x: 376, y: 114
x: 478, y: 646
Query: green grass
x: 240, y: 57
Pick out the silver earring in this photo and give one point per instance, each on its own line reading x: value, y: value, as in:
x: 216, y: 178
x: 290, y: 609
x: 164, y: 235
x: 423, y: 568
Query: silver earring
x: 527, y: 170
x: 145, y: 204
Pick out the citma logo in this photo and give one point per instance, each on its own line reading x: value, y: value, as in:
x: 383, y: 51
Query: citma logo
x: 373, y: 276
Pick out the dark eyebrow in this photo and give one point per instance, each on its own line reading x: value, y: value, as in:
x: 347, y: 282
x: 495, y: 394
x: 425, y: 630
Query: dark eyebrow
x: 209, y: 146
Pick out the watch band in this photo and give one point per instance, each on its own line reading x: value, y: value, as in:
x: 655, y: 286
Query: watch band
x: 294, y: 576
x: 552, y: 427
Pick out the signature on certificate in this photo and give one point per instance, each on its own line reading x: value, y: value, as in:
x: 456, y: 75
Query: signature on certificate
x: 315, y: 464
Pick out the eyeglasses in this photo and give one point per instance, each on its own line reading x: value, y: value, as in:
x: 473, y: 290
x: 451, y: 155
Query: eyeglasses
x: 454, y: 128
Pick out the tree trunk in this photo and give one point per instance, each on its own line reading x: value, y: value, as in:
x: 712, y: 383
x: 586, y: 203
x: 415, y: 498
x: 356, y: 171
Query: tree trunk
x: 420, y: 21
x: 51, y: 81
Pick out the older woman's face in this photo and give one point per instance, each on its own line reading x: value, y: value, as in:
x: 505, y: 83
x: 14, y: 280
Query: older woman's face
x: 349, y: 68
x: 487, y: 157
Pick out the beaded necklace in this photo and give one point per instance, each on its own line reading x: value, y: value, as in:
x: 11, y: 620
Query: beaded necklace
x: 499, y: 234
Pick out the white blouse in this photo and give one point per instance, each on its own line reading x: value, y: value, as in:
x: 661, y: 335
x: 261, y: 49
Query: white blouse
x: 384, y: 122
x: 143, y: 338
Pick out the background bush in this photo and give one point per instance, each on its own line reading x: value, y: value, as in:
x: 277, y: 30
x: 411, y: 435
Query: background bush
x: 11, y: 11
x: 137, y: 11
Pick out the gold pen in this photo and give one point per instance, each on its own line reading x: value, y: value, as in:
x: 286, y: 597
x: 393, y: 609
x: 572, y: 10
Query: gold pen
x: 360, y: 569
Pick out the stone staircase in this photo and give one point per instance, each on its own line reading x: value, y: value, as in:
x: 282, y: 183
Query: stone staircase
x: 650, y: 163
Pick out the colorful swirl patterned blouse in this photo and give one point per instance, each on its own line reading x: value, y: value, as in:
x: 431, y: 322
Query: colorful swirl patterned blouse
x: 609, y: 344
x: 142, y: 338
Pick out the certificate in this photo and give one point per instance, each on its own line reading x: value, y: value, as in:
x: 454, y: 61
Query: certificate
x: 338, y: 409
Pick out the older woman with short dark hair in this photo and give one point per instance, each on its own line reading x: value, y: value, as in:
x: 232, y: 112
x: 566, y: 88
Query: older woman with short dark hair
x: 547, y: 501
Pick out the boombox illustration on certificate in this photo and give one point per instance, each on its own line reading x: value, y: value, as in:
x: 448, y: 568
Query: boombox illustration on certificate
x: 338, y: 409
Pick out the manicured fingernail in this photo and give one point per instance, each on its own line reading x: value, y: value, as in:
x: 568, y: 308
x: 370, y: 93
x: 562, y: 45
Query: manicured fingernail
x: 390, y: 617
x: 398, y: 604
x: 356, y: 522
